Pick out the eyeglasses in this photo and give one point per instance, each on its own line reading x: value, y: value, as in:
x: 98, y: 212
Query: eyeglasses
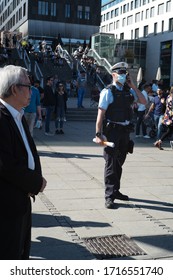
x: 121, y: 71
x: 24, y: 85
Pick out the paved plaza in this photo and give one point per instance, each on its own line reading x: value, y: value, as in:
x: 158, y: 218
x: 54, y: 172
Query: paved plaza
x: 71, y: 209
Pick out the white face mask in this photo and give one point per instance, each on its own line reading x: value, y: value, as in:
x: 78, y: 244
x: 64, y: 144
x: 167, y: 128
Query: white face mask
x: 121, y: 79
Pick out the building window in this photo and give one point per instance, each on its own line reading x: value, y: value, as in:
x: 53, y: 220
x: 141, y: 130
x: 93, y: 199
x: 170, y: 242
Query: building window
x: 162, y: 27
x: 67, y: 10
x: 168, y: 6
x: 137, y: 4
x: 79, y: 12
x: 137, y: 17
x: 111, y: 26
x: 171, y: 24
x: 116, y: 12
x: 13, y: 20
x: 125, y: 8
x: 137, y: 33
x: 53, y: 9
x: 20, y: 13
x: 131, y: 34
x: 103, y: 29
x: 121, y: 9
x: 124, y: 22
x: 131, y: 5
x: 160, y: 9
x: 42, y: 8
x: 121, y: 36
x: 87, y: 12
x: 17, y: 18
x: 155, y: 28
x: 107, y: 16
x: 147, y: 13
x: 152, y: 12
x: 146, y: 31
x: 129, y: 20
x: 117, y: 24
x: 112, y: 14
x: 24, y: 9
x: 142, y: 15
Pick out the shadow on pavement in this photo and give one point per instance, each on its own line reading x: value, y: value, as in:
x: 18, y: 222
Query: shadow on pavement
x: 45, y: 221
x: 67, y: 155
x: 162, y: 206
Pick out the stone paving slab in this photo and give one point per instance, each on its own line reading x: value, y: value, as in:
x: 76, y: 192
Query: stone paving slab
x: 72, y: 206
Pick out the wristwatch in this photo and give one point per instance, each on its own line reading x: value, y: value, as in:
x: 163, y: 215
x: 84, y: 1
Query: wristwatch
x: 98, y: 134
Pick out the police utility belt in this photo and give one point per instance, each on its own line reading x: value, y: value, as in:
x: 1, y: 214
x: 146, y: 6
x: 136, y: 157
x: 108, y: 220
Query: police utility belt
x: 128, y: 126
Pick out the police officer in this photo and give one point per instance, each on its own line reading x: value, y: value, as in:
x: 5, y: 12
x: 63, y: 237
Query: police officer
x: 114, y: 111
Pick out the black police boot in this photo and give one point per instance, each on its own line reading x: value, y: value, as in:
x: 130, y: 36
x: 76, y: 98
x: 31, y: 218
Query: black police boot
x: 109, y: 203
x: 120, y: 196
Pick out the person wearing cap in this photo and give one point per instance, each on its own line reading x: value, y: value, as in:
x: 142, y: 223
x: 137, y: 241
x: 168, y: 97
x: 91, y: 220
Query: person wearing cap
x: 114, y: 123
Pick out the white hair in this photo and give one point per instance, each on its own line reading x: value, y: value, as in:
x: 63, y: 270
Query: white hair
x: 10, y: 75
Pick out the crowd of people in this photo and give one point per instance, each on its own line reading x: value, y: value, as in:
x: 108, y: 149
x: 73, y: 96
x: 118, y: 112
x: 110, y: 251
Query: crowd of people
x: 158, y: 109
x: 154, y: 92
x: 22, y: 95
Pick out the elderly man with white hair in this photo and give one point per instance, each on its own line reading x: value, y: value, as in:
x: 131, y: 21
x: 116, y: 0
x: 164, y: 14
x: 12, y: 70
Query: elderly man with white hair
x: 20, y: 169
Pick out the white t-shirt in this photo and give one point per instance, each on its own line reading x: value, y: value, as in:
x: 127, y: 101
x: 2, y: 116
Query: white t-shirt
x: 142, y: 107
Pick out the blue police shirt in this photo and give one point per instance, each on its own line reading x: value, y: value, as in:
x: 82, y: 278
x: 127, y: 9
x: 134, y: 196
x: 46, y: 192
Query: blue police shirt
x: 106, y: 97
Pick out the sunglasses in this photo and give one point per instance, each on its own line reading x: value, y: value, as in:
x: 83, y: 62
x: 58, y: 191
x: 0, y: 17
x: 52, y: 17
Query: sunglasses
x: 121, y: 71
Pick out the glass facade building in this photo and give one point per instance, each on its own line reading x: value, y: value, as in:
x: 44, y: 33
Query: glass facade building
x: 131, y: 51
x: 73, y: 19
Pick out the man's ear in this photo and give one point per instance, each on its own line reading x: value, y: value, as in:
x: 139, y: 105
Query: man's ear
x: 14, y: 90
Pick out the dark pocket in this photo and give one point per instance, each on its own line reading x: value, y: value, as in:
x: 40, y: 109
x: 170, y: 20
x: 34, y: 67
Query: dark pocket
x: 130, y: 147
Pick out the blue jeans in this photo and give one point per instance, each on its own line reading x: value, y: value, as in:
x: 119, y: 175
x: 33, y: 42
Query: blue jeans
x: 49, y: 110
x: 81, y: 93
x: 60, y: 115
x: 158, y: 123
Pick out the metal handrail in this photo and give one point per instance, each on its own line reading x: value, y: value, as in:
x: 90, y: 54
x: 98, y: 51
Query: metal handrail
x: 100, y: 82
x: 27, y: 61
x: 64, y: 54
x: 38, y: 74
x: 100, y: 60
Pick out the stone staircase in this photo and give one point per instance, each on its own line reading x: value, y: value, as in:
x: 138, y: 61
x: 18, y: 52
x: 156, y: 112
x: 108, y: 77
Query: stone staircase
x: 49, y: 69
x: 82, y: 115
x: 87, y: 114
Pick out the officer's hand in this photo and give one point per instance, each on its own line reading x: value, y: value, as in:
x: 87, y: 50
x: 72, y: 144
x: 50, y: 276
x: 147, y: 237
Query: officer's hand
x: 101, y: 139
x: 129, y: 81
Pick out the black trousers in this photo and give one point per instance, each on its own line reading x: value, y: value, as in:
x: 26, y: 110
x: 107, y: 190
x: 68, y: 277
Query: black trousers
x: 15, y: 236
x: 114, y: 159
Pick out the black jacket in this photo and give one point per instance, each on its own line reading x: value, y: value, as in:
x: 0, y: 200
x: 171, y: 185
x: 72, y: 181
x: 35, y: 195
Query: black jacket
x: 16, y: 179
x: 49, y: 97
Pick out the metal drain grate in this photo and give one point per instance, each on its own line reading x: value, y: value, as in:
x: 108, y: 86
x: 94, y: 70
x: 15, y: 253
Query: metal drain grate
x: 112, y: 246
